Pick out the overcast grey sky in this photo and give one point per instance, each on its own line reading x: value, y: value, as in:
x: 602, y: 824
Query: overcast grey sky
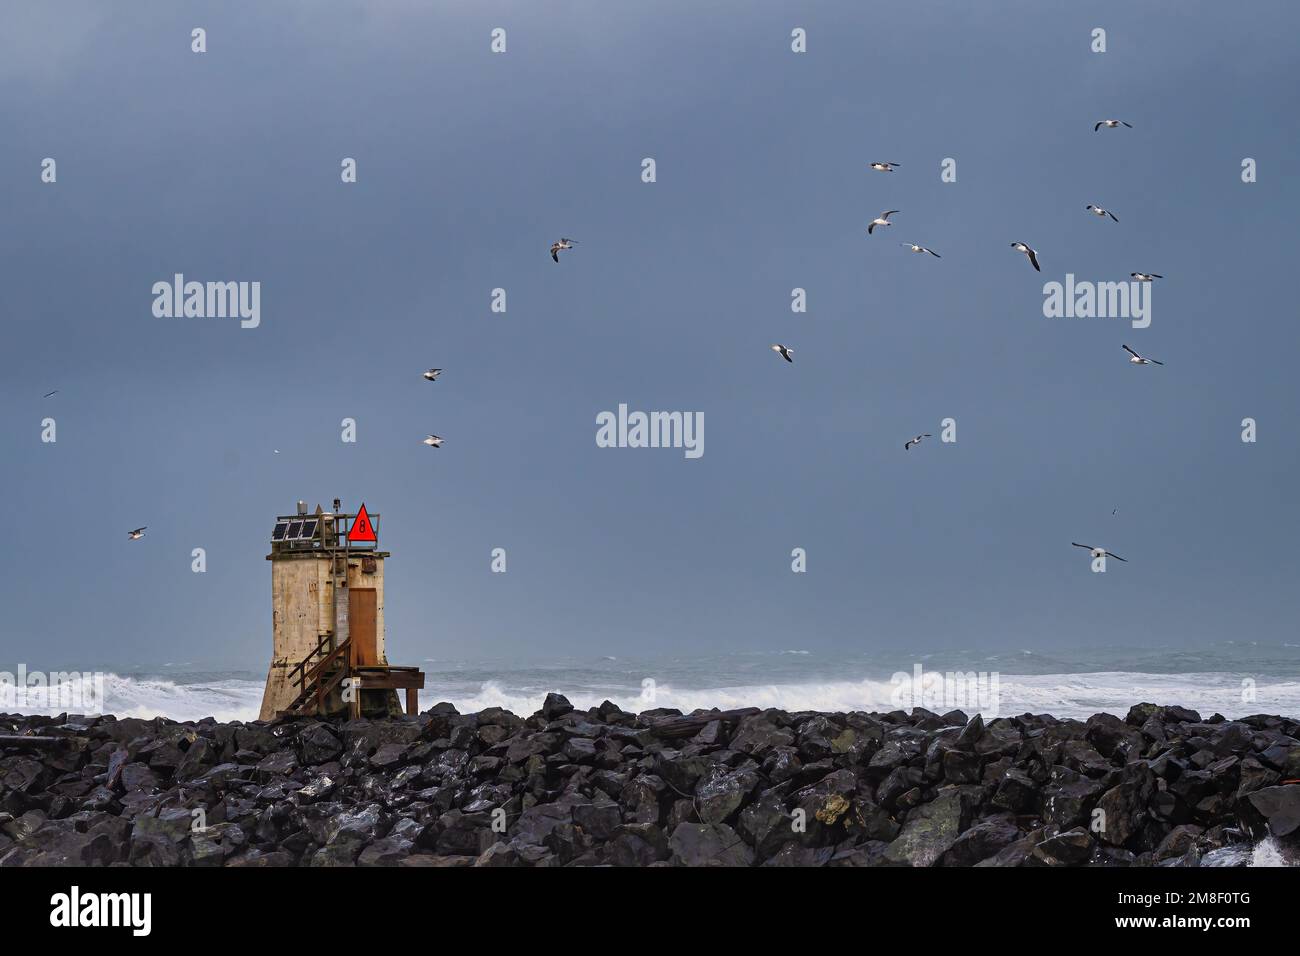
x: 225, y: 166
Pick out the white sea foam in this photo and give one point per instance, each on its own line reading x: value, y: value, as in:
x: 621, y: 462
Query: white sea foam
x: 225, y: 700
x: 1076, y: 696
x: 1062, y: 695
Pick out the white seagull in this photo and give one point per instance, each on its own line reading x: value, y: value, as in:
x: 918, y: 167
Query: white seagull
x: 784, y: 352
x: 882, y: 221
x: 915, y: 441
x: 1031, y: 253
x: 1098, y: 211
x: 1111, y: 124
x: 1099, y: 552
x: 137, y: 534
x: 1145, y: 276
x: 558, y: 247
x: 915, y: 248
x: 433, y: 374
x: 1139, y: 360
x: 885, y: 167
x: 433, y: 441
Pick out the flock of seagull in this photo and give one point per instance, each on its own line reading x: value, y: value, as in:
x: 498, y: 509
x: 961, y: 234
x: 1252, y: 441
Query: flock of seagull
x: 883, y: 221
x: 564, y: 244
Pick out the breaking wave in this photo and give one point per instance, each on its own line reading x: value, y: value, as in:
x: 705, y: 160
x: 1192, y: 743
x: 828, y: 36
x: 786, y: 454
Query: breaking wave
x: 1062, y: 695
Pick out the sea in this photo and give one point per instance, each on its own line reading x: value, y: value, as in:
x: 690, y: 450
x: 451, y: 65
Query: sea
x: 1232, y: 678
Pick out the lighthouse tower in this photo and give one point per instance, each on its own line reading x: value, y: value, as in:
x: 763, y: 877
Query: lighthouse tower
x: 327, y: 619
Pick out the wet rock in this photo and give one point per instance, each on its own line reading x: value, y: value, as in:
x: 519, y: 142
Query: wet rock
x: 757, y: 735
x: 982, y: 841
x: 606, y: 787
x: 930, y: 831
x: 794, y: 854
x: 1069, y: 796
x: 1280, y: 806
x: 709, y: 844
x: 318, y: 744
x: 389, y: 851
x: 1071, y: 848
x: 721, y: 792
x: 556, y: 705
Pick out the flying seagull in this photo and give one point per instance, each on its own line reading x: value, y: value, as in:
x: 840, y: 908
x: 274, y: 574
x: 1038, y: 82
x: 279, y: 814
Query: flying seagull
x: 1145, y: 276
x: 1098, y: 211
x: 433, y: 441
x: 885, y: 167
x: 882, y: 221
x: 558, y: 247
x: 1031, y: 253
x: 433, y: 374
x: 48, y: 394
x: 1139, y: 360
x: 915, y: 248
x: 784, y: 352
x: 137, y: 534
x: 915, y: 441
x: 1111, y: 124
x: 1099, y: 552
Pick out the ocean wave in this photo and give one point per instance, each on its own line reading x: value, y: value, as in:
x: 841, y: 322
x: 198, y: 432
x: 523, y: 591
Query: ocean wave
x: 1077, y: 696
x: 1063, y: 695
x: 130, y: 696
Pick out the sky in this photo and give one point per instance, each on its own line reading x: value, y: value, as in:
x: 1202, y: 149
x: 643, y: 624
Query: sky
x: 225, y: 166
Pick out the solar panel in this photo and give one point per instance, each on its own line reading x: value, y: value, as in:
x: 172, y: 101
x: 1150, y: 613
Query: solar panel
x: 293, y: 530
x: 280, y: 528
x: 308, y: 529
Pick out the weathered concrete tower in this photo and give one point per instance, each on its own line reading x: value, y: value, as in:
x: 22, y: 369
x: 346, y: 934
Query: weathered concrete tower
x: 327, y: 594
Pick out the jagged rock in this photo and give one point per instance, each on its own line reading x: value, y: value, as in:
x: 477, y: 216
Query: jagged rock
x: 640, y: 799
x: 1017, y: 792
x: 279, y: 764
x: 390, y: 756
x: 1280, y: 806
x: 930, y: 831
x: 721, y: 792
x: 981, y: 841
x: 1069, y: 796
x: 388, y: 851
x: 536, y: 823
x: 1071, y: 848
x: 599, y: 819
x: 556, y: 705
x: 159, y: 841
x: 317, y: 745
x: 638, y: 844
x: 605, y: 787
x: 757, y: 735
x: 708, y: 844
x: 794, y: 854
x: 197, y: 758
x: 1124, y: 805
x: 274, y: 858
x: 61, y: 846
x: 1178, y: 842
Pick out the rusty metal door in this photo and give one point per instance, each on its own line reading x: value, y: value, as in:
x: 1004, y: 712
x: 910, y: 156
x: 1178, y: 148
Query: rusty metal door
x: 362, y: 604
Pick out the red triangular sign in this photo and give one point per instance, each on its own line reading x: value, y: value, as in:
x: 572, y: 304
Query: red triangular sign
x: 362, y: 529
